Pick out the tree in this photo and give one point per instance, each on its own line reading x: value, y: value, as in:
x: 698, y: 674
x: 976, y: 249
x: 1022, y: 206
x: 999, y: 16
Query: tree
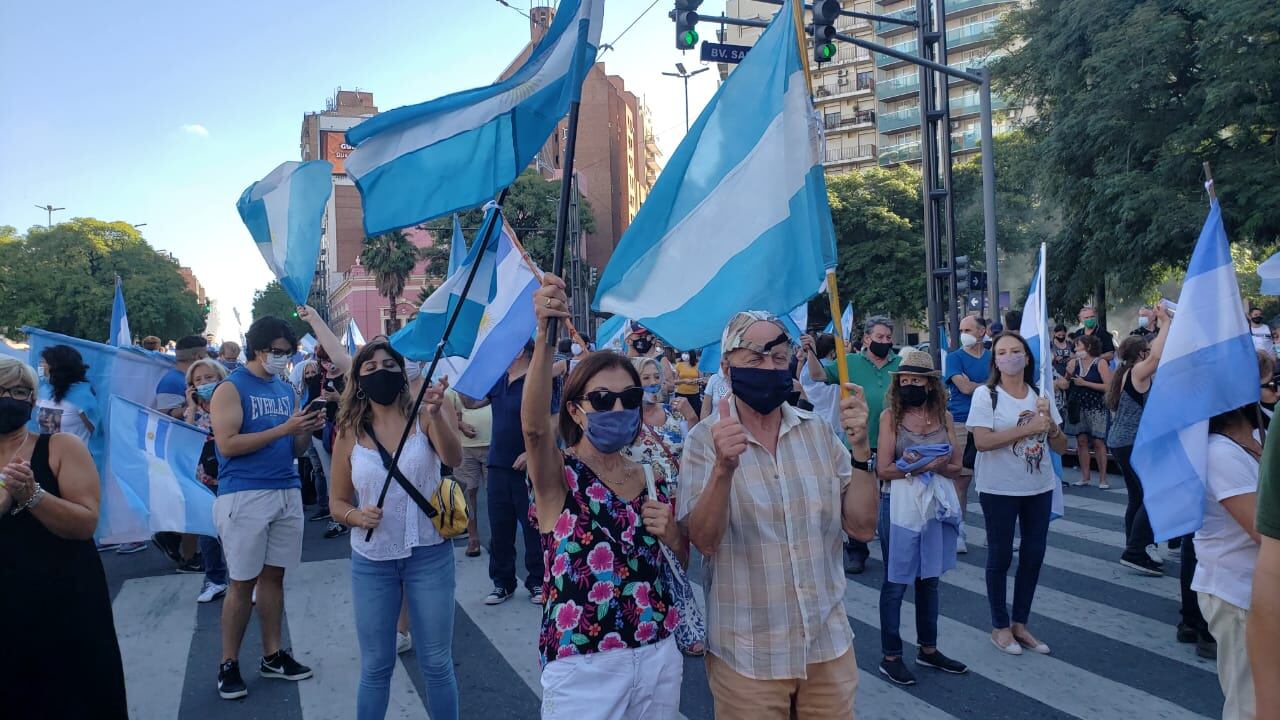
x: 1130, y: 97
x: 63, y: 279
x: 390, y: 257
x: 274, y: 301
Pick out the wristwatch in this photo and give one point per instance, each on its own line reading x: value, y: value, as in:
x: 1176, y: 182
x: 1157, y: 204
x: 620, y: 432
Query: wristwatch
x: 867, y: 465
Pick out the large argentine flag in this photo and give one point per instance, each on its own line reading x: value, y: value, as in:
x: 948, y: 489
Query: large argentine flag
x: 1035, y: 329
x: 283, y: 212
x: 418, y: 162
x: 1209, y: 332
x: 153, y: 464
x: 738, y: 220
x: 120, y: 335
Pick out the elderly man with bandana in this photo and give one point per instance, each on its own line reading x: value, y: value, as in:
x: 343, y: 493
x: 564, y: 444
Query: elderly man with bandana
x: 769, y: 493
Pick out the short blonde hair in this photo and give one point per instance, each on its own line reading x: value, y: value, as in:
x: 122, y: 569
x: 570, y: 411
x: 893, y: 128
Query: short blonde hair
x: 15, y: 373
x: 641, y: 362
x: 217, y: 368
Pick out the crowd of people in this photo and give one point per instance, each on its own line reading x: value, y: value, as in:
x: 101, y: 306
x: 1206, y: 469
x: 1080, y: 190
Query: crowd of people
x: 620, y: 471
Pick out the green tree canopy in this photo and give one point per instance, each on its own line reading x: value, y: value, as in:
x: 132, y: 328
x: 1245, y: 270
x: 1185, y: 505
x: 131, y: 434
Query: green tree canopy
x: 273, y: 300
x: 63, y: 279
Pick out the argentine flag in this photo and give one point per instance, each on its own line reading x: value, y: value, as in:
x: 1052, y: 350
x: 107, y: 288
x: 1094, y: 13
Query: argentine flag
x: 1209, y: 366
x: 739, y: 219
x: 153, y: 464
x: 419, y: 162
x: 352, y: 338
x: 120, y: 335
x: 1035, y: 329
x: 612, y: 334
x: 283, y: 212
x: 457, y: 246
x: 846, y: 323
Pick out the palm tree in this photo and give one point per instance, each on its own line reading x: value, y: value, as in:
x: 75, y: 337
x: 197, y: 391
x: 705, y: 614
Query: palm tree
x: 390, y: 257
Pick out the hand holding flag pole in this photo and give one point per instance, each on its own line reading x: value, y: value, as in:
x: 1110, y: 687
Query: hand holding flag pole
x: 533, y: 267
x: 562, y: 215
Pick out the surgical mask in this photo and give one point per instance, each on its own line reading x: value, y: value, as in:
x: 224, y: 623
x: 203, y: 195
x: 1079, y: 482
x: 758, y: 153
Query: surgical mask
x: 1091, y: 323
x: 41, y: 372
x: 912, y: 395
x: 205, y: 391
x: 412, y: 370
x: 642, y: 345
x: 576, y: 349
x: 684, y: 357
x: 1012, y: 364
x: 612, y: 430
x: 967, y: 340
x: 651, y: 393
x: 383, y: 386
x: 13, y: 414
x: 275, y: 364
x: 880, y: 349
x: 762, y: 390
x: 1143, y: 321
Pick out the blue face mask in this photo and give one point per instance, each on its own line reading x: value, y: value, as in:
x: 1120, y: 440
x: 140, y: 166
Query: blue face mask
x: 763, y: 390
x: 651, y: 393
x: 205, y: 392
x: 613, y: 430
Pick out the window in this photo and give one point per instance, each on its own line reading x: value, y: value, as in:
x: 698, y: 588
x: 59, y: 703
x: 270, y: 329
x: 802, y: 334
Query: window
x: 866, y: 79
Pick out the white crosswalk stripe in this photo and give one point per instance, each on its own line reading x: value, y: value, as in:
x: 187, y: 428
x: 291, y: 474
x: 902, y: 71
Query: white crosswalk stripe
x: 155, y: 619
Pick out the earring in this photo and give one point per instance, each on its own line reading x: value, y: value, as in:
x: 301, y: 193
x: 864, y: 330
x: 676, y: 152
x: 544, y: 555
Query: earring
x: 360, y: 394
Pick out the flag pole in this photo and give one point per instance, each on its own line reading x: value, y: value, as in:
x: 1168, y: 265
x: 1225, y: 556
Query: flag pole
x: 533, y: 268
x: 562, y: 216
x: 486, y: 231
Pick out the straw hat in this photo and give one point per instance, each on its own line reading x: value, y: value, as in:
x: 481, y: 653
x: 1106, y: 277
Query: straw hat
x: 916, y: 362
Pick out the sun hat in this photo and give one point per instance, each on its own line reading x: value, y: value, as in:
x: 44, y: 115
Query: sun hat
x: 916, y: 362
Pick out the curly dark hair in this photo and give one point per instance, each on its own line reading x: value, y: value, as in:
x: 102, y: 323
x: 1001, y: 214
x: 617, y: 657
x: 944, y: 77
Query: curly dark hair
x: 66, y: 368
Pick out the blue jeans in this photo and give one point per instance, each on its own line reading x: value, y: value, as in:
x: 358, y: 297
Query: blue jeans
x: 1031, y: 514
x: 426, y: 579
x: 215, y: 566
x: 891, y: 599
x: 508, y: 497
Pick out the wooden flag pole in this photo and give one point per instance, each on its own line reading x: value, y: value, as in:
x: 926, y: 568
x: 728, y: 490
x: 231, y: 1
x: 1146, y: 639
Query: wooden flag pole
x: 533, y: 267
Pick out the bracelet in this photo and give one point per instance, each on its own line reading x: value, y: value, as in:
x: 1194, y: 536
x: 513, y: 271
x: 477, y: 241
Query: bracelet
x: 345, y: 515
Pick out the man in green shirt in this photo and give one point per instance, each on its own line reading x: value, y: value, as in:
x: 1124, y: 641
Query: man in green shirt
x: 872, y: 370
x: 1263, y: 631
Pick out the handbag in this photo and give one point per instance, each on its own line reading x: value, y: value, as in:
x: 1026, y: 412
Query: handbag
x: 447, y: 508
x: 970, y: 458
x: 691, y: 630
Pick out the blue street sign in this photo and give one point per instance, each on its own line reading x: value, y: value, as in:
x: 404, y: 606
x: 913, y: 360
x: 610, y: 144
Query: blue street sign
x: 723, y: 52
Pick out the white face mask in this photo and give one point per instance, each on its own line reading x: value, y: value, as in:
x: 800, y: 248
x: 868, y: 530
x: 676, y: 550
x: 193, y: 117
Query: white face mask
x: 576, y: 349
x: 684, y: 357
x: 1143, y: 321
x: 40, y: 371
x: 275, y: 364
x: 412, y: 369
x: 967, y: 340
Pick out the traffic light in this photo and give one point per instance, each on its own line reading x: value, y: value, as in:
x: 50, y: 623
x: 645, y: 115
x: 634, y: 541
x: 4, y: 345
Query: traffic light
x: 825, y: 13
x: 686, y: 17
x: 978, y: 281
x: 962, y: 273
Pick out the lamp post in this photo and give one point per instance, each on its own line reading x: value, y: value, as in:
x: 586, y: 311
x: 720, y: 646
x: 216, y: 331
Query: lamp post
x: 685, y: 75
x: 51, y: 209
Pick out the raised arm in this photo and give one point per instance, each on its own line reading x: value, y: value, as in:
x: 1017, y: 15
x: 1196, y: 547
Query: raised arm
x: 440, y: 424
x: 1145, y: 369
x: 330, y: 342
x: 709, y: 517
x: 545, y: 463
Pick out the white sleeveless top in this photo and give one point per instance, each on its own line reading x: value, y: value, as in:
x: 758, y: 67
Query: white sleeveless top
x: 403, y: 525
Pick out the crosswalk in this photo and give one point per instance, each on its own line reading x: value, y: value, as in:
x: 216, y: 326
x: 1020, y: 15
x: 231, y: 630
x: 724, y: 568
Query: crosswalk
x: 1112, y: 632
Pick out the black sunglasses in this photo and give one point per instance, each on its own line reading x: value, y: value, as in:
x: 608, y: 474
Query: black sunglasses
x: 278, y: 352
x: 604, y: 400
x: 1273, y: 385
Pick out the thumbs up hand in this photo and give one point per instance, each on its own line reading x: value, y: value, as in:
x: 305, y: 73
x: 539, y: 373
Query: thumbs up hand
x: 729, y: 436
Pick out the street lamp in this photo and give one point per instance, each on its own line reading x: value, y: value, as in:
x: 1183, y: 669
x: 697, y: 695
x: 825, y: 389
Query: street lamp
x: 135, y: 227
x: 685, y: 75
x: 51, y: 210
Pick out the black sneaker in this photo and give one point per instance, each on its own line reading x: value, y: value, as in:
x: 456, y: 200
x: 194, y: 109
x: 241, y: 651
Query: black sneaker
x: 497, y: 596
x: 194, y: 566
x: 854, y: 564
x: 536, y: 596
x: 1207, y: 647
x: 1175, y: 543
x: 282, y: 666
x: 321, y: 514
x: 335, y: 529
x: 897, y: 671
x: 230, y: 685
x: 169, y: 543
x: 1142, y: 563
x: 1187, y: 635
x: 938, y: 661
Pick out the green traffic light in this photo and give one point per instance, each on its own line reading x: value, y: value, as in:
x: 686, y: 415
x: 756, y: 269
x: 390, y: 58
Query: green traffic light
x: 690, y: 37
x: 828, y: 50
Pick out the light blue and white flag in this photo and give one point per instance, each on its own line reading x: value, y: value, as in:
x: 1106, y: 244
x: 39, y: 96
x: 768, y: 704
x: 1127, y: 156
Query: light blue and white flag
x: 739, y: 218
x: 352, y: 338
x: 120, y: 335
x: 153, y: 466
x: 418, y: 339
x: 846, y: 323
x: 1209, y: 331
x: 613, y: 333
x: 419, y: 162
x: 1036, y: 330
x: 457, y: 246
x: 800, y: 316
x: 283, y: 212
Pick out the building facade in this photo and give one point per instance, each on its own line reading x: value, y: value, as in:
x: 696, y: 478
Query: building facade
x: 356, y: 294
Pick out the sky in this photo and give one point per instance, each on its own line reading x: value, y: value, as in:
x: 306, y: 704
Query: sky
x: 163, y: 113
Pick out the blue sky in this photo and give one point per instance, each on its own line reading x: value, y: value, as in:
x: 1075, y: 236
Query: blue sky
x: 162, y: 113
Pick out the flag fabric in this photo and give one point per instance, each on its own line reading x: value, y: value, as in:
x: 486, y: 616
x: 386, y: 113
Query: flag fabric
x: 612, y: 333
x: 120, y: 335
x: 308, y: 344
x: 1269, y: 272
x: 283, y: 212
x: 1035, y: 330
x: 800, y: 316
x: 418, y: 339
x: 352, y: 338
x: 128, y: 372
x: 709, y: 358
x: 457, y: 246
x: 419, y: 162
x: 1209, y: 331
x: 739, y: 217
x: 846, y: 323
x: 153, y: 465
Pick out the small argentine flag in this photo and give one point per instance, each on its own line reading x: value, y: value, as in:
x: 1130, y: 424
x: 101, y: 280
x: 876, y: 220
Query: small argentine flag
x: 283, y: 212
x: 120, y: 335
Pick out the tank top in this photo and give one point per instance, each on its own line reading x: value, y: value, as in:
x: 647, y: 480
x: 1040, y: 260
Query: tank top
x: 1090, y: 399
x: 265, y: 404
x: 1124, y: 426
x: 403, y: 525
x: 908, y: 439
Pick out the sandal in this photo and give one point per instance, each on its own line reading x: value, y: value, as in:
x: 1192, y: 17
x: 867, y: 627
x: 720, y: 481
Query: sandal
x: 698, y: 650
x: 472, y: 552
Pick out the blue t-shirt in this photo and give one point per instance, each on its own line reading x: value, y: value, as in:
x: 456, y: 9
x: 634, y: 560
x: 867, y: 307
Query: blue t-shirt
x: 977, y: 369
x: 506, y: 441
x: 171, y: 391
x: 265, y: 404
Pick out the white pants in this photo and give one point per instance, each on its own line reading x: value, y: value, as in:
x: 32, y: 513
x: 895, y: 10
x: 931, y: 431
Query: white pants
x: 639, y: 684
x: 1226, y: 624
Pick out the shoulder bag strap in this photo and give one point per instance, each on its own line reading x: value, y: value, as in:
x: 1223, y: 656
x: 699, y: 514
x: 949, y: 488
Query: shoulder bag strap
x: 403, y: 481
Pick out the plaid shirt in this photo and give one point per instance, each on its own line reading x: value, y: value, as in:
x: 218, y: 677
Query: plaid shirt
x: 775, y: 598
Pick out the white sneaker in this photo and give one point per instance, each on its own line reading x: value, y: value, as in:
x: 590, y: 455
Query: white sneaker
x: 212, y: 591
x: 404, y: 642
x: 1153, y: 552
x: 961, y: 547
x: 253, y: 598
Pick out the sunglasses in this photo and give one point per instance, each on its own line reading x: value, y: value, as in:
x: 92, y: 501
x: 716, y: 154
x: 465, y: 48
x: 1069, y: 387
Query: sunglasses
x: 604, y: 400
x: 277, y: 352
x: 1273, y: 385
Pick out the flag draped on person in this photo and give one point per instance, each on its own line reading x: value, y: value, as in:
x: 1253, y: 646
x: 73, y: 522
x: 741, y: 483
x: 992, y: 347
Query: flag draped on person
x: 739, y: 217
x: 1209, y: 366
x: 120, y: 334
x: 1035, y: 329
x: 422, y: 161
x: 283, y: 212
x: 153, y: 465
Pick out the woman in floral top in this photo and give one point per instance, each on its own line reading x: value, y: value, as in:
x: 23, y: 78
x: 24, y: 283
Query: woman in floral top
x: 661, y: 437
x: 606, y: 643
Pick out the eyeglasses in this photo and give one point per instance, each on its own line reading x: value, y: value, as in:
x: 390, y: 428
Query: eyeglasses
x: 604, y: 400
x: 277, y: 352
x: 1273, y: 386
x: 20, y: 392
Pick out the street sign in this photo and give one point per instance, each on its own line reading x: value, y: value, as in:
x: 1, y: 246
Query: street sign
x: 723, y: 52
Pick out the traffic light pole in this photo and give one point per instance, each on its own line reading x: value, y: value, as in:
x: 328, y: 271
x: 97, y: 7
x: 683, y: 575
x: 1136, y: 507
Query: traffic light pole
x: 989, y: 191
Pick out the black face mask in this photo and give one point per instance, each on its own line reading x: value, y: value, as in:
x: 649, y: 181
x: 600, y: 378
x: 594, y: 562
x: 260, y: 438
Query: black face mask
x: 880, y: 349
x: 13, y: 414
x: 913, y: 395
x: 1256, y: 320
x: 383, y: 386
x: 313, y: 386
x: 762, y: 390
x: 642, y: 345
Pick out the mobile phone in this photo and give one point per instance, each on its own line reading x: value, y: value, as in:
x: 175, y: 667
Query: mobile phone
x: 315, y: 406
x: 1169, y: 305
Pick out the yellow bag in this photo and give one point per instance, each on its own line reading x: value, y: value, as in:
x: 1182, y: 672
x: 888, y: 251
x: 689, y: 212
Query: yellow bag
x: 450, y: 503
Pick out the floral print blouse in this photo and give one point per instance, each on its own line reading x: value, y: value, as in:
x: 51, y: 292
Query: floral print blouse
x: 661, y: 447
x: 603, y: 584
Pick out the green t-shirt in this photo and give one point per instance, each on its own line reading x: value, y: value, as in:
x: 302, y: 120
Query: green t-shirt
x: 875, y: 383
x: 1268, y: 521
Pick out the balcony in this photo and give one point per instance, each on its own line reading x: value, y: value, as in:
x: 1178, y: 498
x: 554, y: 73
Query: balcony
x: 955, y: 7
x: 906, y: 46
x: 900, y: 153
x: 904, y: 119
x: 885, y: 28
x: 971, y: 104
x: 831, y: 91
x: 837, y: 122
x: 898, y: 87
x: 849, y: 153
x: 976, y: 63
x: 971, y: 34
x: 850, y: 26
x: 963, y: 142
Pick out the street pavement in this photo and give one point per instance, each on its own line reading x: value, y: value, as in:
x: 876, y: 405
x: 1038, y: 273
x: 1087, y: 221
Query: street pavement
x: 1111, y: 630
